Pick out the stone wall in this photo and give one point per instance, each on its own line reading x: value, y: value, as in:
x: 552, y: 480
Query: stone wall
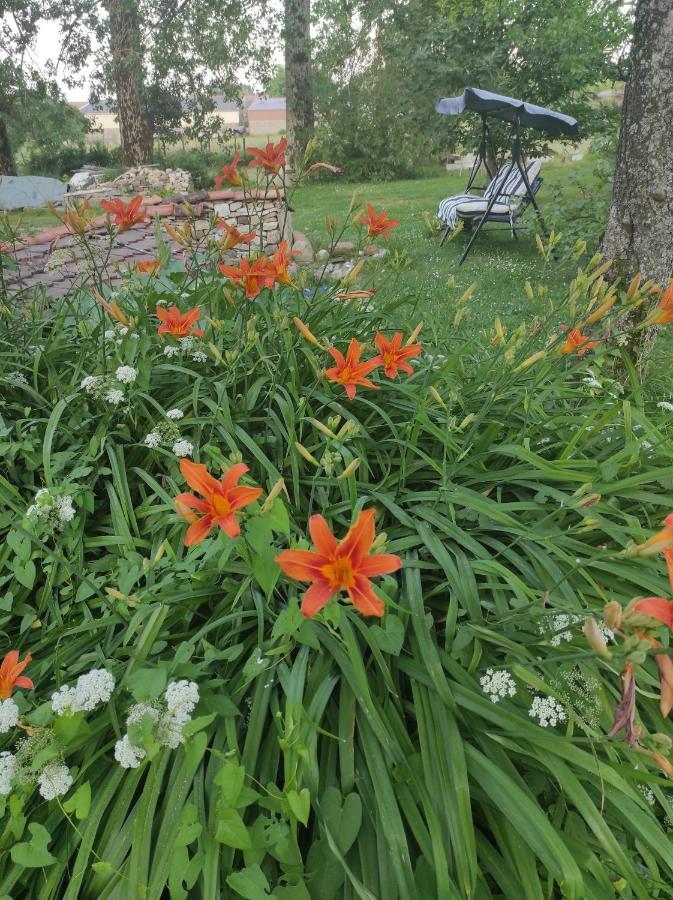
x: 270, y: 218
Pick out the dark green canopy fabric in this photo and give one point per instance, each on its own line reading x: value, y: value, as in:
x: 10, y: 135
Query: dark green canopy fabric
x: 472, y: 99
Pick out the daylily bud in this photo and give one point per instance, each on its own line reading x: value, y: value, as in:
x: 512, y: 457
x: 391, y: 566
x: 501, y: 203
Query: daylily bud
x: 273, y: 493
x: 160, y: 552
x: 595, y: 637
x: 323, y: 428
x: 529, y: 290
x: 306, y: 454
x: 353, y: 274
x: 527, y: 363
x: 467, y: 421
x: 612, y: 614
x: 589, y: 500
x: 306, y: 332
x: 434, y: 393
x: 606, y: 306
x: 350, y: 469
x: 662, y: 740
x: 633, y: 286
x: 468, y: 293
x: 216, y: 353
x: 659, y: 542
x: 414, y: 334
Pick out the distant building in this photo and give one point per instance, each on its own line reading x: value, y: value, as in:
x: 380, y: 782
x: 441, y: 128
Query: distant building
x: 266, y: 116
x: 104, y: 121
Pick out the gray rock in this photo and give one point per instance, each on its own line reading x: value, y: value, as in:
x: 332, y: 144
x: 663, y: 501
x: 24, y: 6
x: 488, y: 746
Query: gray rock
x: 322, y: 256
x: 344, y: 248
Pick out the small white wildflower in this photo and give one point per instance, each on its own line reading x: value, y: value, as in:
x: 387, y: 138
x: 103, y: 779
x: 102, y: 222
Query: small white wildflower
x: 181, y: 698
x: 110, y: 334
x: 592, y: 382
x: 607, y: 633
x: 93, y: 688
x: 138, y: 712
x: 174, y: 414
x: 54, y: 781
x: 547, y: 711
x: 647, y: 445
x: 64, y: 508
x: 33, y: 511
x: 622, y: 340
x: 153, y: 439
x: 63, y: 700
x: 664, y: 404
x: 647, y: 793
x: 169, y: 731
x: 126, y: 374
x: 183, y: 448
x: 9, y: 715
x: 186, y: 342
x: 7, y: 772
x: 199, y: 356
x: 171, y: 350
x: 90, y: 383
x: 497, y: 685
x: 560, y: 626
x: 16, y: 378
x: 123, y: 330
x: 127, y: 755
x: 114, y: 397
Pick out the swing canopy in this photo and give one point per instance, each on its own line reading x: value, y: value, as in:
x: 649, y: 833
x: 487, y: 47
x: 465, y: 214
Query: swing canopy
x: 528, y: 115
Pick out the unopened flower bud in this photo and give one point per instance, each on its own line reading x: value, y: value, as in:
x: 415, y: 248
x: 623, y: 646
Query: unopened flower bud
x: 595, y: 637
x: 612, y: 614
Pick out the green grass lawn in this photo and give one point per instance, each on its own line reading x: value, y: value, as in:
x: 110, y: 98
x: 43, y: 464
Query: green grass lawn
x: 499, y: 264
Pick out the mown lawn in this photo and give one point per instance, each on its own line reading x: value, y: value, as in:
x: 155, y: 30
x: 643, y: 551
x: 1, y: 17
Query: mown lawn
x: 499, y: 265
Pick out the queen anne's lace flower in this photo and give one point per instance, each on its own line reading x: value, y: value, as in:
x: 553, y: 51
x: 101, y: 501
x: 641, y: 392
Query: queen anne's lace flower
x: 127, y: 755
x: 175, y: 414
x: 64, y: 508
x: 547, y: 711
x: 171, y: 350
x: 7, y: 772
x: 90, y: 383
x: 126, y: 374
x: 181, y: 698
x: 138, y: 712
x: 199, y: 356
x: 183, y: 448
x: 498, y: 685
x: 152, y: 440
x: 664, y: 404
x: 114, y: 397
x: 9, y: 715
x: 91, y: 689
x: 54, y: 781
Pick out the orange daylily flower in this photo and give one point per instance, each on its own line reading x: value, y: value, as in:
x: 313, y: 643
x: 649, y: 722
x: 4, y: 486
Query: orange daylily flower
x: 252, y: 275
x: 349, y: 371
x: 221, y: 500
x: 112, y: 309
x: 314, y: 167
x: 271, y: 159
x: 345, y: 565
x: 378, y: 223
x: 78, y: 219
x: 652, y: 608
x: 183, y: 234
x: 125, y: 214
x: 179, y: 324
x: 393, y: 356
x: 663, y: 312
x: 658, y: 543
x: 230, y: 173
x: 148, y: 266
x: 233, y: 237
x: 577, y: 342
x: 280, y: 261
x: 10, y: 674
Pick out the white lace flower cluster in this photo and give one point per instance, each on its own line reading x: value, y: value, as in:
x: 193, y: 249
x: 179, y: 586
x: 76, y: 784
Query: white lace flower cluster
x: 167, y: 433
x: 91, y: 690
x: 107, y: 388
x: 186, y: 346
x: 16, y: 769
x: 498, y: 685
x: 167, y: 719
x: 9, y: 715
x: 16, y: 378
x: 559, y: 627
x: 51, y: 509
x: 547, y: 711
x: 665, y: 404
x: 118, y: 332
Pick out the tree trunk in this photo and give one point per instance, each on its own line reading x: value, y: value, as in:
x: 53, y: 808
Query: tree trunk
x: 135, y: 121
x: 639, y: 234
x: 7, y: 164
x: 298, y: 83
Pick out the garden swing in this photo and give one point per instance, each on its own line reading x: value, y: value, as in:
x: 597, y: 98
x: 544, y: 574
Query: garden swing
x: 516, y: 183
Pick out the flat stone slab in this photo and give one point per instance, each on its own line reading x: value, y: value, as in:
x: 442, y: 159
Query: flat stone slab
x: 32, y: 191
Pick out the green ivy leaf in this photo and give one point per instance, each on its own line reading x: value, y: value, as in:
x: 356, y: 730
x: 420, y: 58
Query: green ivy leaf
x: 300, y: 804
x: 33, y: 854
x: 79, y: 802
x: 250, y: 883
x: 231, y: 830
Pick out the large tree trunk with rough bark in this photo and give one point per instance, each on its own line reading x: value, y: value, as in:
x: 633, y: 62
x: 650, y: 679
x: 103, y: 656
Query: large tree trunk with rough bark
x: 126, y: 50
x: 7, y: 164
x: 639, y: 234
x: 298, y: 82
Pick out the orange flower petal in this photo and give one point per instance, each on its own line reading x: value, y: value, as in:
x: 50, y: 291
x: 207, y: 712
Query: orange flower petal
x: 198, y: 477
x: 198, y: 531
x: 315, y: 598
x: 321, y: 535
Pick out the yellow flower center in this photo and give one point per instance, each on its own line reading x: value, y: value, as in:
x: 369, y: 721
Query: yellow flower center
x: 221, y: 505
x: 339, y: 573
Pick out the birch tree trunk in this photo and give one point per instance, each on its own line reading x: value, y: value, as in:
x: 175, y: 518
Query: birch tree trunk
x: 298, y: 81
x: 639, y: 234
x: 135, y: 122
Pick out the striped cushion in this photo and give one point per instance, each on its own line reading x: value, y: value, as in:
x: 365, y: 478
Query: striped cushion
x: 506, y: 184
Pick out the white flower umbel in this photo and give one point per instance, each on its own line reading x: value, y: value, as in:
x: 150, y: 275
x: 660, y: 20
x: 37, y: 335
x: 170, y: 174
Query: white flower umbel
x: 7, y: 772
x: 497, y: 685
x: 171, y: 350
x: 560, y: 627
x: 64, y: 508
x: 181, y: 698
x: 665, y: 404
x: 186, y: 343
x: 9, y: 715
x: 91, y: 384
x: 547, y: 711
x: 175, y: 414
x: 92, y: 689
x: 199, y: 356
x: 152, y: 440
x: 54, y: 511
x: 647, y: 793
x: 127, y: 755
x: 126, y: 374
x: 183, y: 448
x: 114, y: 397
x: 54, y: 781
x: 138, y: 712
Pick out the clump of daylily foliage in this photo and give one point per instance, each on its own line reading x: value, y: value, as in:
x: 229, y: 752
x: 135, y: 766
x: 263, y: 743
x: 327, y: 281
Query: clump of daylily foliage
x: 305, y: 599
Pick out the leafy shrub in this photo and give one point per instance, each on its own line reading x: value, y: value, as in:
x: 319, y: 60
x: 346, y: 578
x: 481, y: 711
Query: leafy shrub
x: 457, y: 746
x: 68, y: 158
